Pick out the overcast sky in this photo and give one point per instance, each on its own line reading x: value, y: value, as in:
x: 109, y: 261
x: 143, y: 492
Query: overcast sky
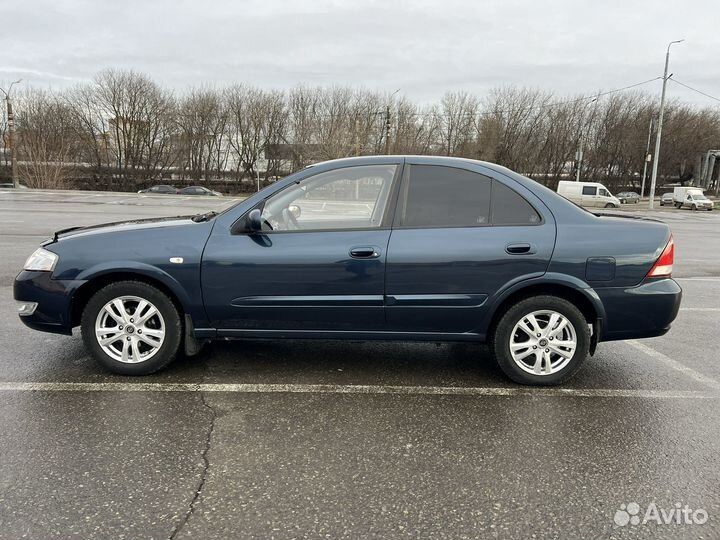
x: 424, y: 48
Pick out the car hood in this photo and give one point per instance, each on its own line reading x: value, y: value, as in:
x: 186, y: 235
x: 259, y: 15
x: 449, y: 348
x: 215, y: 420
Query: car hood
x: 117, y: 226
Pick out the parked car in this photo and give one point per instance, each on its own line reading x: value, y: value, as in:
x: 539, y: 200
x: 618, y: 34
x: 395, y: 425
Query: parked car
x: 389, y: 247
x: 691, y: 197
x: 588, y: 194
x: 666, y: 199
x: 199, y: 190
x: 160, y: 190
x: 628, y: 197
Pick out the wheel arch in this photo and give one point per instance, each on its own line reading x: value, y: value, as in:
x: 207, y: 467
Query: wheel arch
x: 567, y: 287
x: 100, y: 279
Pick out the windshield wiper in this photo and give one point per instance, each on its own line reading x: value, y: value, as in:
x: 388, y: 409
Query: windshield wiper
x: 204, y: 217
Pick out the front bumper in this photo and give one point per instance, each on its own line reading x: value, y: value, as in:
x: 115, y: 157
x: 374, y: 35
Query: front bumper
x: 639, y: 312
x: 53, y: 297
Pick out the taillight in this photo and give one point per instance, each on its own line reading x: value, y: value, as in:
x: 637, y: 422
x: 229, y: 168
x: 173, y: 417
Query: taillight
x: 664, y: 266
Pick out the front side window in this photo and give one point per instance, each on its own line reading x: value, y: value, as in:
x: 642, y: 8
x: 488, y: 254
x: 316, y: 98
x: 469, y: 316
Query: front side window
x: 438, y: 196
x: 604, y: 193
x: 589, y: 190
x: 347, y: 198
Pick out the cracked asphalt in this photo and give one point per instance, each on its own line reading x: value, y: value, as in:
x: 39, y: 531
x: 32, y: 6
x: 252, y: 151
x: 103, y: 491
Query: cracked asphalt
x: 325, y: 439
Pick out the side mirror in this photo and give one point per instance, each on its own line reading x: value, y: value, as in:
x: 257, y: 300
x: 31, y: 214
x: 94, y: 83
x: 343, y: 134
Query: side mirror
x: 253, y: 222
x: 294, y: 209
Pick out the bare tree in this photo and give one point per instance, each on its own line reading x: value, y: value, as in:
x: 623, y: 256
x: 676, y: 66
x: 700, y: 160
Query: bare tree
x: 202, y: 120
x: 457, y: 118
x: 45, y: 141
x: 256, y: 119
x: 140, y: 121
x: 124, y: 124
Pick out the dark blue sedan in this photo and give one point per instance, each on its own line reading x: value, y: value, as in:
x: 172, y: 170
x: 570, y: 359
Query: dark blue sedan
x: 391, y: 247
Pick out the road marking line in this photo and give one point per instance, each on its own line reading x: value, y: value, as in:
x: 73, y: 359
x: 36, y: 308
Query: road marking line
x: 250, y: 388
x: 709, y: 278
x: 699, y: 309
x: 674, y: 364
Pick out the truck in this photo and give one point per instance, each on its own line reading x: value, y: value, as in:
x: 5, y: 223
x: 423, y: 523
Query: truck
x: 588, y: 194
x: 691, y: 197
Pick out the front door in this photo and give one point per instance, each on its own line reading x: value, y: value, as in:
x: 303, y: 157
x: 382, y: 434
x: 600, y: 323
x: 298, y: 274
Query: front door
x: 458, y: 238
x: 590, y: 197
x: 317, y: 265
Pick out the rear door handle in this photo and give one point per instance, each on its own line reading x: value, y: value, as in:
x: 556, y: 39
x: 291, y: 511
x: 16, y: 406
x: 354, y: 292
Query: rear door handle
x: 364, y: 252
x: 518, y: 249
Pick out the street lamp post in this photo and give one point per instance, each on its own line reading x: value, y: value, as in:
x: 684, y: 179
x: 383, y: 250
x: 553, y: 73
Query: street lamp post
x: 647, y: 158
x: 11, y: 132
x: 579, y: 153
x: 658, y: 137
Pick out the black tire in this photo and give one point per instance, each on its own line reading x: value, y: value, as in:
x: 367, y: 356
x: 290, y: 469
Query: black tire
x: 500, y: 340
x: 609, y: 205
x: 170, y: 315
x: 694, y: 208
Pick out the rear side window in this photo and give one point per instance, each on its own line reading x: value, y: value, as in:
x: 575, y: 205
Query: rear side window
x: 437, y: 196
x: 589, y: 190
x: 510, y: 208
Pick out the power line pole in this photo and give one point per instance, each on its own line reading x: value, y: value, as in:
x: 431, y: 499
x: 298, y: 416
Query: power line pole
x: 387, y: 121
x: 647, y: 159
x: 387, y: 130
x: 11, y: 132
x: 658, y: 137
x: 357, y: 137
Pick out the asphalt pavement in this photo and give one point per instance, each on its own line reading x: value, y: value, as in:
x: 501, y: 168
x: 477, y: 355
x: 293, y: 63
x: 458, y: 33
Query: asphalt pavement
x: 324, y: 439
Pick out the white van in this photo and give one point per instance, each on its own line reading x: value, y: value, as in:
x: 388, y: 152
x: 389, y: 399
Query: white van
x: 588, y: 194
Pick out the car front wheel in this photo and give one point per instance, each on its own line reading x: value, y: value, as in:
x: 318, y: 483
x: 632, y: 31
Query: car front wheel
x: 542, y: 340
x: 131, y: 328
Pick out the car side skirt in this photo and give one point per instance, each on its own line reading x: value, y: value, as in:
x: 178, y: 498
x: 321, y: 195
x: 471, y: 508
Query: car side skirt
x: 339, y: 334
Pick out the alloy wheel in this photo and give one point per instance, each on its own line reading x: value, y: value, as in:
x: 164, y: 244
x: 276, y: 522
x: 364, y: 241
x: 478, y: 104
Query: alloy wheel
x: 130, y: 329
x: 543, y: 342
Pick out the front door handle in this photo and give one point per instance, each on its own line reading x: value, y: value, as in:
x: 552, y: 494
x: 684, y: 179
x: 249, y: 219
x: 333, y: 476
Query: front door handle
x: 364, y: 252
x: 518, y: 249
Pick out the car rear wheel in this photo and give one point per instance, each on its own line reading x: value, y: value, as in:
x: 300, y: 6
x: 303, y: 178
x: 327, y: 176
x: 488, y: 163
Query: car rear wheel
x: 542, y: 340
x: 131, y: 328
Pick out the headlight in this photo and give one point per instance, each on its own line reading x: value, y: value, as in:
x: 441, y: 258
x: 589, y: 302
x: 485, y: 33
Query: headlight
x: 41, y: 261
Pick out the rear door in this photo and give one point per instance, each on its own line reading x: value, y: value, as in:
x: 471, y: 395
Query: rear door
x: 459, y: 237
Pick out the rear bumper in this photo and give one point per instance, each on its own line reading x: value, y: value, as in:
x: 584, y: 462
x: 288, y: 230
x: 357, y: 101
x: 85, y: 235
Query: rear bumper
x: 53, y: 298
x: 647, y: 310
